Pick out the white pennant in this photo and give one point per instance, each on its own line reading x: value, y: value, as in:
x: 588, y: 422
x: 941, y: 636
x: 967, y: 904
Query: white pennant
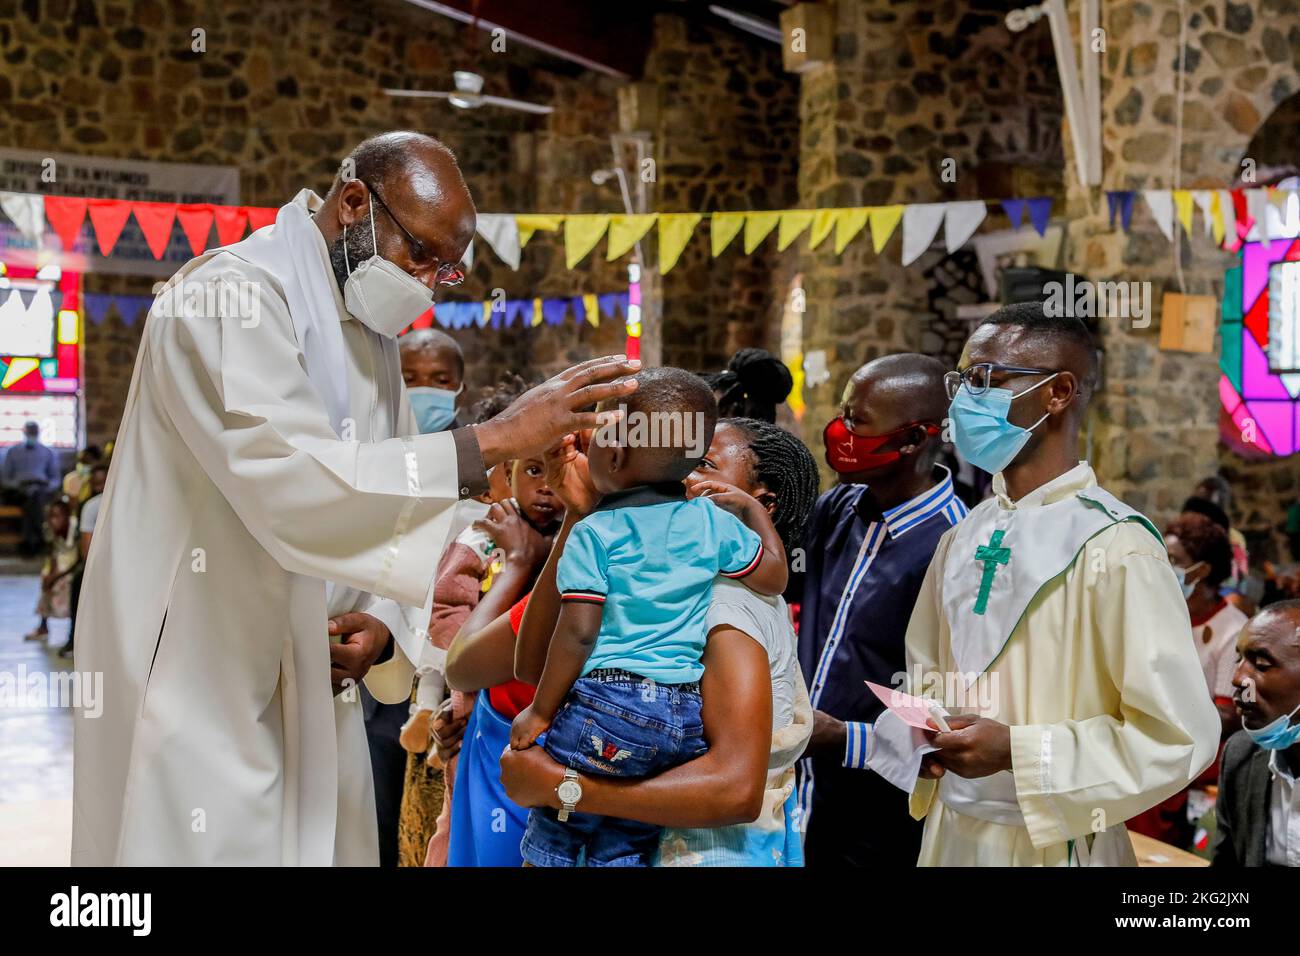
x: 1202, y: 198
x: 27, y: 211
x: 501, y: 232
x: 920, y: 224
x: 1229, y: 213
x: 1257, y: 208
x: 961, y: 222
x: 1161, y: 204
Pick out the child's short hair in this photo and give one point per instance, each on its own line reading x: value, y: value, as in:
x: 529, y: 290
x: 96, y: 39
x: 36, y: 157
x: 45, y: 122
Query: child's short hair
x: 497, y: 398
x: 678, y: 411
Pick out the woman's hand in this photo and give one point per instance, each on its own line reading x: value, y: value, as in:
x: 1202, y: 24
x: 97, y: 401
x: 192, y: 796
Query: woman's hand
x: 530, y: 777
x: 725, y: 496
x: 568, y: 477
x: 511, y: 532
x: 447, y: 732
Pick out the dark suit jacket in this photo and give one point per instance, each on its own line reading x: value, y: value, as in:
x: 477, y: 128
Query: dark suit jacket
x: 1241, y: 813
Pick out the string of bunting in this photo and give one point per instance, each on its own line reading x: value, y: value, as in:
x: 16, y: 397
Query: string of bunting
x: 1227, y: 216
x: 526, y: 313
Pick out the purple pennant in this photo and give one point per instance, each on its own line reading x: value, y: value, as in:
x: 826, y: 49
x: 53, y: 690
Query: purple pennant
x: 519, y: 309
x: 1040, y: 211
x: 1121, y: 200
x: 131, y: 307
x: 612, y: 302
x: 553, y: 310
x: 96, y: 306
x: 579, y: 309
x: 1015, y: 210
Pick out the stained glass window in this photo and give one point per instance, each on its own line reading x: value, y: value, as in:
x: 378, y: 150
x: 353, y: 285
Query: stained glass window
x: 40, y: 354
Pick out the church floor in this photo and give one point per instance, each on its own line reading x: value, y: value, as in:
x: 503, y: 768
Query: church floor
x: 35, y: 742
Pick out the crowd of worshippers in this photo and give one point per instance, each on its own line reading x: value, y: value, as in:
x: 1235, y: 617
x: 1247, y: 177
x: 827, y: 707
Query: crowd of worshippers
x: 729, y: 633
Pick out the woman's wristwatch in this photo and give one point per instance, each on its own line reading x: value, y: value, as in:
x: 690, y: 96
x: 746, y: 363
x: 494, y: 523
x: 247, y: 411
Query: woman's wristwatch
x: 570, y: 792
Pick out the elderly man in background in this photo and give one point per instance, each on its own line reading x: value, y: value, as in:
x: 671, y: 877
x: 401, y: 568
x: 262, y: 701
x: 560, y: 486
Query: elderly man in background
x: 29, y: 477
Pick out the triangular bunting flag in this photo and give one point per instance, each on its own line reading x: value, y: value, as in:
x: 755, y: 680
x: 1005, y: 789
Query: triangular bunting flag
x: 581, y: 233
x: 1217, y: 228
x: 535, y: 222
x: 793, y: 222
x: 1015, y: 210
x: 757, y: 226
x: 723, y: 228
x: 517, y: 309
x: 1228, y: 209
x: 625, y: 232
x: 1040, y: 213
x: 537, y: 313
x: 1120, y: 201
x: 27, y: 212
x: 848, y: 223
x: 611, y: 303
x: 107, y: 217
x: 196, y: 222
x: 962, y: 220
x: 96, y: 306
x: 1203, y: 198
x: 131, y: 307
x: 823, y: 222
x: 1183, y: 208
x: 260, y: 216
x: 920, y: 223
x: 884, y: 220
x: 554, y: 310
x: 65, y: 214
x: 675, y: 230
x: 1162, y: 210
x: 230, y: 223
x: 155, y: 220
x: 591, y: 309
x: 501, y: 232
x: 1256, y: 208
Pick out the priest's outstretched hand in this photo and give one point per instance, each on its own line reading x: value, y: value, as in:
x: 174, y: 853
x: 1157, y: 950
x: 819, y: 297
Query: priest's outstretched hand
x: 365, y: 640
x: 974, y: 747
x: 538, y: 419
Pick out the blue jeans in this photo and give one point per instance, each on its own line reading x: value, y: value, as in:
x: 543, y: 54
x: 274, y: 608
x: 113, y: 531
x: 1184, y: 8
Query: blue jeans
x: 621, y: 727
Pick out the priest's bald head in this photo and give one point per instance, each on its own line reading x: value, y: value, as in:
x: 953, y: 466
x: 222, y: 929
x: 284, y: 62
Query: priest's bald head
x: 423, y: 216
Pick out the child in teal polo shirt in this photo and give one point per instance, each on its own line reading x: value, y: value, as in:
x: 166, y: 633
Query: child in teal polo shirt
x: 619, y: 694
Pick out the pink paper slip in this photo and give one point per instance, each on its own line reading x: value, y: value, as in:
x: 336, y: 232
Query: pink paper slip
x: 913, y: 711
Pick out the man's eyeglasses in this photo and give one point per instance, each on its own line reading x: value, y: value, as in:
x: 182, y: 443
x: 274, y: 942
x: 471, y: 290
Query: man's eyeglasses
x: 447, y: 274
x: 979, y: 378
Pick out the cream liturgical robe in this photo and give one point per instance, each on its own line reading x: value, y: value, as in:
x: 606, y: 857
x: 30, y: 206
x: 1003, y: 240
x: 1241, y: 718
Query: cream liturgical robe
x: 1060, y: 616
x: 259, y: 486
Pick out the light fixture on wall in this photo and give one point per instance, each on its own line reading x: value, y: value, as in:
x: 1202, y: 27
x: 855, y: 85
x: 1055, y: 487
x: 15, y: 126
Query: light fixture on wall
x: 468, y: 95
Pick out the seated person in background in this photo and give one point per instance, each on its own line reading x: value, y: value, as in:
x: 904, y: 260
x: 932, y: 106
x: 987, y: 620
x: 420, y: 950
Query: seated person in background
x: 1258, y: 809
x: 619, y: 693
x: 61, y: 560
x: 29, y: 476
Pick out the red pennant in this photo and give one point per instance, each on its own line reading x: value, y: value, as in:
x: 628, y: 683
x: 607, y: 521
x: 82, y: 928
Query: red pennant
x: 108, y: 216
x: 259, y: 216
x: 1242, y: 214
x: 230, y: 223
x: 65, y: 214
x: 424, y: 321
x: 155, y: 220
x: 197, y: 223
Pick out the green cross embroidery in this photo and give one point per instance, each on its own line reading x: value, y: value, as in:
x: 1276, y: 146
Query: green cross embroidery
x: 992, y: 554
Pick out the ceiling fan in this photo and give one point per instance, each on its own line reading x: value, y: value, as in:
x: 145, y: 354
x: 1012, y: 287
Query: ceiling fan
x: 469, y: 95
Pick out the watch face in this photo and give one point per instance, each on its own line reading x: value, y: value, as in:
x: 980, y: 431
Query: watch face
x: 569, y: 791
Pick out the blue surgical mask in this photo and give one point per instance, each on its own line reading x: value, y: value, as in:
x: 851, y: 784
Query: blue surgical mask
x: 1187, y: 586
x: 980, y: 428
x: 1277, y: 734
x: 29, y: 441
x: 434, y: 408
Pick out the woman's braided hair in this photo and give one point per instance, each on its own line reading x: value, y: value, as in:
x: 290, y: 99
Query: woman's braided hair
x: 785, y: 465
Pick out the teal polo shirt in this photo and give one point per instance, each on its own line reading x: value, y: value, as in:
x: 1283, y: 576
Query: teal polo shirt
x: 649, y: 555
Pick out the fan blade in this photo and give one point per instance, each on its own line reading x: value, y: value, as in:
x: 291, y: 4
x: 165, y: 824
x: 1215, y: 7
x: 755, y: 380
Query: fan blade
x: 517, y: 105
x: 421, y: 94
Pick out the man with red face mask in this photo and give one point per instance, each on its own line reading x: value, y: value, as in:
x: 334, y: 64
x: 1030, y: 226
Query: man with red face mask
x: 869, y: 542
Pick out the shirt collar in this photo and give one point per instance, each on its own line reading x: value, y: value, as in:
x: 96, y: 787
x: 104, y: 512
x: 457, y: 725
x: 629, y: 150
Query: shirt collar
x: 311, y: 203
x: 655, y: 494
x: 902, y: 518
x: 1277, y: 768
x: 1062, y: 486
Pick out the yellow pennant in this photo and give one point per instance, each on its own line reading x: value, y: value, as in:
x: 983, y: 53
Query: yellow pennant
x: 675, y: 230
x: 537, y: 312
x: 757, y: 226
x: 1216, y: 219
x: 1183, y: 204
x: 592, y: 308
x: 795, y: 398
x: 793, y: 222
x: 487, y: 313
x: 884, y: 220
x: 822, y: 224
x: 535, y: 222
x: 724, y: 227
x: 848, y: 224
x: 625, y: 232
x: 581, y: 233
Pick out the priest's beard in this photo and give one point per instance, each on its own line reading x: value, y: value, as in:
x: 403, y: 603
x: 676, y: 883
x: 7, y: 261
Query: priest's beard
x: 358, y: 246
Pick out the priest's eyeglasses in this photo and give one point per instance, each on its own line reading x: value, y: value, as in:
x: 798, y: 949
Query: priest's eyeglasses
x: 447, y: 274
x: 979, y: 378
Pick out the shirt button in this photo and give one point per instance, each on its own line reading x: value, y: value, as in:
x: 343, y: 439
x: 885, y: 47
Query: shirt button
x: 464, y: 492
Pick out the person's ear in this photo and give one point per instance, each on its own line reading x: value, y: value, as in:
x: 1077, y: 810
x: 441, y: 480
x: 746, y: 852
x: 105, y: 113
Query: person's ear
x: 765, y: 498
x: 1197, y: 572
x: 917, y: 438
x: 354, y: 202
x: 1061, y: 391
x: 617, y: 458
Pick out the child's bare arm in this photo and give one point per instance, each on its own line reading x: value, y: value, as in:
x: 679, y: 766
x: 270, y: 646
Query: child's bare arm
x: 771, y: 575
x: 575, y: 636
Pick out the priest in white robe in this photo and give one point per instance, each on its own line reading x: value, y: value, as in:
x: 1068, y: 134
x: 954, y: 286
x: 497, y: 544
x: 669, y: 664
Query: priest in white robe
x: 268, y: 478
x: 1050, y: 626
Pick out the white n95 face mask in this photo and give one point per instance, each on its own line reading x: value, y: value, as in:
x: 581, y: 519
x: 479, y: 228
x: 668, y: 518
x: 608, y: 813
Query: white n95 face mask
x: 379, y: 294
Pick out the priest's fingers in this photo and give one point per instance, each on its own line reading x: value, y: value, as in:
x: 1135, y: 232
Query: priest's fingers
x: 931, y: 769
x: 349, y: 623
x: 596, y: 419
x: 593, y: 394
x: 599, y: 370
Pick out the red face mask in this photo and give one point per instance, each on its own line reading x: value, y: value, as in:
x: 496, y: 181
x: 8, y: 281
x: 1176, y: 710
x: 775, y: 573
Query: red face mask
x: 848, y: 453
